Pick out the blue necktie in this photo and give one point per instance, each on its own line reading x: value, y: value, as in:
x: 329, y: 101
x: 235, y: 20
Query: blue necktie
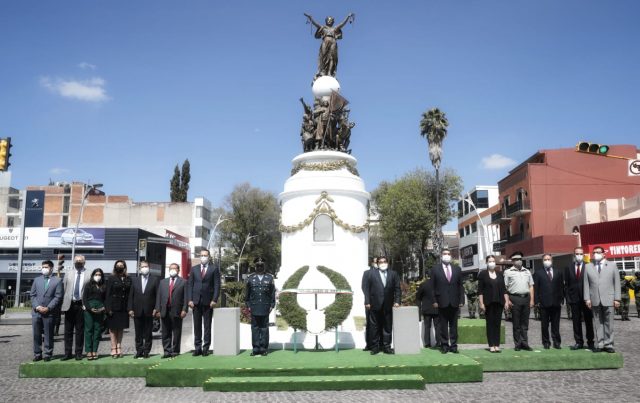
x: 598, y: 268
x: 46, y: 284
x: 76, y: 288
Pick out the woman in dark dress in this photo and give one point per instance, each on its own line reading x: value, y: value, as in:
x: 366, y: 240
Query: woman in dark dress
x: 493, y: 297
x: 117, y: 300
x: 93, y: 298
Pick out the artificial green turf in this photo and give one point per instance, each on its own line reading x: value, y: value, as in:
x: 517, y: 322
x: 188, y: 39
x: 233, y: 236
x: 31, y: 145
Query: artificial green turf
x: 474, y: 331
x: 510, y: 360
x: 431, y: 365
x: 104, y: 367
x: 296, y: 383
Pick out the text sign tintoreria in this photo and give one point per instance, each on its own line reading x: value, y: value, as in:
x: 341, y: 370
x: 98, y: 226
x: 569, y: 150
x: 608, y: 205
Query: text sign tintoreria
x: 619, y: 249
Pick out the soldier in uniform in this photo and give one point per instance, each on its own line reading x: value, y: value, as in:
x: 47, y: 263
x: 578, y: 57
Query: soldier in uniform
x: 470, y: 286
x: 625, y: 286
x: 260, y: 297
x: 636, y: 291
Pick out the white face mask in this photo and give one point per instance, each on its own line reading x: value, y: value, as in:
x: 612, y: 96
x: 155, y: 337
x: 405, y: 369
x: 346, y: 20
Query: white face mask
x: 173, y: 273
x: 598, y: 257
x: 383, y: 266
x: 97, y: 278
x: 46, y: 271
x: 491, y: 265
x: 546, y: 263
x: 204, y: 259
x: 144, y: 270
x: 517, y: 264
x: 579, y: 258
x: 446, y: 258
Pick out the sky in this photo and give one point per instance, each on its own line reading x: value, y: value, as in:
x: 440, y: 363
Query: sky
x: 120, y: 92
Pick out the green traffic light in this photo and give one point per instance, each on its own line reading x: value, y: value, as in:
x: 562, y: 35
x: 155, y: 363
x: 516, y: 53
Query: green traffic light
x: 603, y: 149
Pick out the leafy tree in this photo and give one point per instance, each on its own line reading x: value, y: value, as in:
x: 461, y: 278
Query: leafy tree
x: 175, y: 185
x: 253, y: 212
x: 407, y: 211
x: 185, y: 178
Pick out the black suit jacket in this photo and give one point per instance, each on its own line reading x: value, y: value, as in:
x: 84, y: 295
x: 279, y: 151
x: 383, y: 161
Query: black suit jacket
x: 203, y: 290
x: 487, y: 287
x: 425, y: 297
x: 379, y: 296
x: 448, y: 293
x: 547, y: 292
x: 574, y: 287
x: 142, y: 304
x: 178, y: 298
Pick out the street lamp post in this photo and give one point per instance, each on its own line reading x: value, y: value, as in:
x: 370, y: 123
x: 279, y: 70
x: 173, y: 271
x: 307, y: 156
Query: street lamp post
x: 242, y: 250
x: 75, y: 232
x: 485, y: 237
x: 220, y: 221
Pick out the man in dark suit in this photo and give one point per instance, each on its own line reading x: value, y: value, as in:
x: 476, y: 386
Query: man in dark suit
x: 381, y: 294
x: 142, y: 300
x: 260, y: 297
x: 203, y: 289
x: 449, y: 295
x: 548, y: 296
x: 171, y: 308
x: 367, y: 328
x: 425, y: 298
x: 46, y: 292
x: 73, y: 285
x: 574, y: 284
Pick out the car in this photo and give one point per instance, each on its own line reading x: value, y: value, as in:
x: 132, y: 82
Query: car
x: 82, y: 236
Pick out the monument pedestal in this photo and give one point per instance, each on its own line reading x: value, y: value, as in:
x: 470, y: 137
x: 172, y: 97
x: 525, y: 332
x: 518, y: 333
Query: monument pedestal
x: 324, y: 222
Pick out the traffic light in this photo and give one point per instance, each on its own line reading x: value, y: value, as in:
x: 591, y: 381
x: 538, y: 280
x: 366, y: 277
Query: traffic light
x: 60, y: 262
x: 592, y: 148
x: 5, y: 153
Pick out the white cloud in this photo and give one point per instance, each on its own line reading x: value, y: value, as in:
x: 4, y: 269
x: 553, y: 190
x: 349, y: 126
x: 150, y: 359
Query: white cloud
x: 91, y: 90
x: 497, y: 161
x: 87, y: 66
x: 58, y: 171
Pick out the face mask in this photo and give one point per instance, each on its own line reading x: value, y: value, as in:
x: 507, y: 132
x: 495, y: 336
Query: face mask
x: 97, y: 278
x: 383, y: 266
x: 173, y: 273
x: 144, y: 271
x: 491, y: 265
x: 546, y: 263
x: 260, y: 268
x: 204, y: 259
x: 446, y: 258
x: 517, y: 264
x: 79, y: 265
x: 579, y: 258
x: 598, y: 257
x: 46, y: 271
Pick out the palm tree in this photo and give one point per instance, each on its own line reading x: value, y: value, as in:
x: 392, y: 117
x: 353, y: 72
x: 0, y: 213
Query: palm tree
x: 433, y: 127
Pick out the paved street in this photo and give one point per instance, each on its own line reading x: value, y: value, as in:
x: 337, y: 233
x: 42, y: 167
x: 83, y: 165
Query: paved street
x: 565, y: 386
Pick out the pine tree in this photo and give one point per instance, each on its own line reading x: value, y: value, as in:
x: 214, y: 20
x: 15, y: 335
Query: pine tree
x: 184, y: 180
x: 175, y: 185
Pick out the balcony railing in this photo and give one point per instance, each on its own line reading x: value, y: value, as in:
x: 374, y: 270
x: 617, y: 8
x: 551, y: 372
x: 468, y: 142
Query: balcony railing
x: 519, y: 207
x: 498, y: 246
x: 499, y: 216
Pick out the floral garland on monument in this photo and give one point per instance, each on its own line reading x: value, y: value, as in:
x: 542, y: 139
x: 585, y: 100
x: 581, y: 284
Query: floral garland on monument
x: 325, y: 166
x: 322, y: 207
x: 335, y: 313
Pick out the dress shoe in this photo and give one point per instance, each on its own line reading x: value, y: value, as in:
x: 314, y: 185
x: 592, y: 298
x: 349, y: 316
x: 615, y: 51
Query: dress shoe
x: 37, y: 358
x: 527, y: 348
x: 374, y: 351
x: 609, y: 350
x: 205, y: 353
x: 576, y: 347
x: 66, y: 357
x: 47, y: 359
x: 596, y: 350
x: 166, y: 355
x: 253, y: 354
x: 454, y: 350
x: 137, y: 355
x: 546, y: 346
x: 591, y: 346
x: 197, y: 353
x: 557, y: 346
x: 444, y: 350
x: 388, y: 351
x: 366, y: 349
x: 517, y: 348
x: 265, y: 353
x: 78, y: 357
x: 145, y: 355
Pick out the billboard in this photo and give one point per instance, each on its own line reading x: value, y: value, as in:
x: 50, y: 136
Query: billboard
x: 34, y: 213
x: 52, y: 237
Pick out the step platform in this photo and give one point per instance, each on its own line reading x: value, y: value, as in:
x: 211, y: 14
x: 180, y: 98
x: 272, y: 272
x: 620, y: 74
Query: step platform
x: 103, y: 367
x: 431, y: 365
x: 474, y: 331
x: 540, y: 359
x: 299, y: 383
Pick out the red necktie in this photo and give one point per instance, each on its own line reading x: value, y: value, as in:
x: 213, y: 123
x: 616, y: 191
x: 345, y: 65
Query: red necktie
x: 170, y: 290
x: 203, y: 271
x: 578, y: 271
